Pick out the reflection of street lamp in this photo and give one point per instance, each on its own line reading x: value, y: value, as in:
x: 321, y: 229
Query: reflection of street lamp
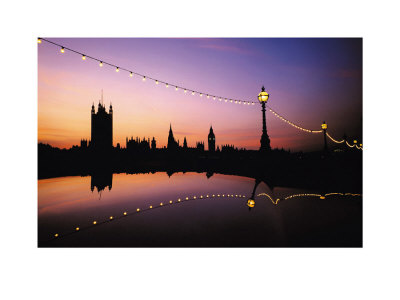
x: 251, y: 203
x: 265, y: 142
x: 324, y: 127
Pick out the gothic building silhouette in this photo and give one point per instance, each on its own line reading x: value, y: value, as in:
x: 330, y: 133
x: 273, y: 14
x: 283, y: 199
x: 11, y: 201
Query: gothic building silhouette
x: 211, y: 140
x: 102, y: 128
x: 172, y: 143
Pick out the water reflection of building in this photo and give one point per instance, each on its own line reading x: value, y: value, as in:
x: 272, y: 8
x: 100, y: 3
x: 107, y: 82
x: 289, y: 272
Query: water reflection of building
x: 101, y: 180
x: 102, y: 128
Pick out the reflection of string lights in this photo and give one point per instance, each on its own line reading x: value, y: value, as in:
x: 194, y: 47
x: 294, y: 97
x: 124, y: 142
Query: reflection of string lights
x: 126, y: 213
x: 307, y: 195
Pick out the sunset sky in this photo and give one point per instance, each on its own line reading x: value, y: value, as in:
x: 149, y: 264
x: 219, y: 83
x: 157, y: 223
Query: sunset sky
x: 309, y: 81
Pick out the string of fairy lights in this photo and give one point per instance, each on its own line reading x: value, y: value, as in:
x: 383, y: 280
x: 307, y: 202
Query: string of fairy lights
x: 126, y: 213
x: 193, y: 92
x: 321, y: 196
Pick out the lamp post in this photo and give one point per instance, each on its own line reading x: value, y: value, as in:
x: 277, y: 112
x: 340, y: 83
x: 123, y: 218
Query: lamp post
x: 324, y: 127
x: 265, y: 142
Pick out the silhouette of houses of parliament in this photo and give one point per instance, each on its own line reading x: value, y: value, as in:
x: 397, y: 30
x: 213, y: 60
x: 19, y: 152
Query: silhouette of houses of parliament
x: 138, y: 144
x: 102, y: 128
x: 102, y: 137
x: 211, y: 140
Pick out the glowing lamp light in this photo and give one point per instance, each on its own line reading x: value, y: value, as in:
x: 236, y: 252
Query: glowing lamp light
x: 176, y: 88
x: 324, y: 126
x: 101, y: 64
x: 251, y: 203
x: 77, y: 228
x: 131, y: 74
x: 62, y: 50
x: 56, y: 235
x: 166, y: 85
x: 144, y: 78
x: 111, y: 217
x: 201, y: 95
x: 94, y: 222
x: 151, y: 206
x: 39, y: 41
x: 125, y: 213
x: 83, y: 57
x: 170, y: 202
x: 185, y: 91
x: 355, y: 141
x: 156, y: 81
x: 138, y: 209
x: 208, y: 96
x: 117, y: 70
x: 193, y: 93
x: 161, y: 204
x: 322, y: 197
x: 360, y: 145
x: 263, y: 96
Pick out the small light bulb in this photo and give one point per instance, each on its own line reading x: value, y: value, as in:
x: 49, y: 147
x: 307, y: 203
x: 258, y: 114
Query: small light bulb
x: 101, y: 64
x: 161, y: 204
x: 131, y: 74
x: 77, y: 228
x: 170, y: 201
x: 176, y: 88
x: 94, y: 222
x: 166, y: 85
x: 111, y: 217
x: 185, y: 91
x: 83, y: 57
x: 231, y: 100
x: 208, y: 96
x: 214, y: 98
x: 151, y: 206
x: 117, y: 70
x: 125, y: 213
x: 62, y: 50
x: 156, y: 81
x: 193, y: 93
x: 56, y: 235
x: 144, y: 78
x: 39, y: 41
x: 201, y: 95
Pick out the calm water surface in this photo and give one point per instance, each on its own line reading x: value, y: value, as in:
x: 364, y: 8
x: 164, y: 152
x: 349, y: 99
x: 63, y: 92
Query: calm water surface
x: 69, y: 202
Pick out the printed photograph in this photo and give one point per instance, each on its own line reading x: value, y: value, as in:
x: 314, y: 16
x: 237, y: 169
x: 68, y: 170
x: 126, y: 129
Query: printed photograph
x: 200, y: 142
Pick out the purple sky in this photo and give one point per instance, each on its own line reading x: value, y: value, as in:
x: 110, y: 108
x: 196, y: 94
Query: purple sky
x: 309, y: 81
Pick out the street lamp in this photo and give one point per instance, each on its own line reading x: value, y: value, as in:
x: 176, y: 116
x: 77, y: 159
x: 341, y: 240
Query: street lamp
x: 265, y: 142
x: 324, y: 127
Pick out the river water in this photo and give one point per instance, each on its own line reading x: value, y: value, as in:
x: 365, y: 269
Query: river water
x: 192, y: 210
